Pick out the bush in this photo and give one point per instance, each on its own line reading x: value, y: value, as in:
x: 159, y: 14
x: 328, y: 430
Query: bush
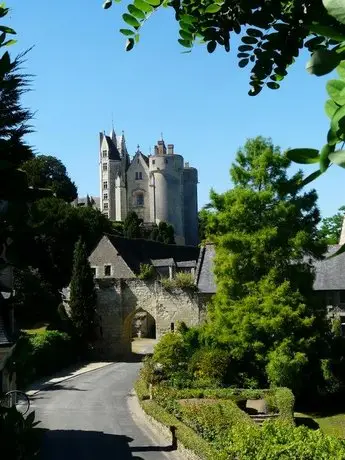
x: 18, y: 438
x: 211, y: 420
x: 210, y: 364
x: 285, y: 402
x: 147, y: 272
x: 171, y: 353
x: 279, y: 441
x: 149, y: 372
x: 168, y: 284
x: 41, y: 354
x: 184, y: 280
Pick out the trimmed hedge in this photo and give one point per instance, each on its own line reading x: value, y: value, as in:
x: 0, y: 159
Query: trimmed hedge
x: 285, y: 401
x: 41, y: 354
x: 187, y: 437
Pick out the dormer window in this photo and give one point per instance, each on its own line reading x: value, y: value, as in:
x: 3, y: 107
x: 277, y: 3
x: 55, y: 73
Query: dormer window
x: 138, y: 175
x: 104, y: 154
x: 107, y: 270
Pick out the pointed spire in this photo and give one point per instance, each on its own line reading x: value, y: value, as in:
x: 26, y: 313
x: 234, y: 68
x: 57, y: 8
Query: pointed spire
x: 113, y: 135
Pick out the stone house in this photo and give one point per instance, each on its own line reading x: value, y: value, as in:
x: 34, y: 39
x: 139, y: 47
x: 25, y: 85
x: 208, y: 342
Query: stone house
x: 128, y: 306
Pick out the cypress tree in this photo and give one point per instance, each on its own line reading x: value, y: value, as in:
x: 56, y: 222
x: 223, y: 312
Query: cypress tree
x: 82, y: 294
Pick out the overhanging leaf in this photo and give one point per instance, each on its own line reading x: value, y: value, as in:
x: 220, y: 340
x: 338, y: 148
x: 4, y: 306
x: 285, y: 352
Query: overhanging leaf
x: 335, y: 8
x: 127, y: 32
x: 136, y: 12
x: 131, y: 21
x: 273, y: 85
x: 143, y: 6
x: 214, y: 8
x: 324, y: 156
x: 243, y: 62
x: 326, y: 31
x: 341, y: 70
x: 330, y: 108
x: 303, y: 156
x: 337, y: 117
x: 211, y: 46
x: 338, y: 158
x: 310, y: 178
x: 245, y: 48
x: 322, y: 62
x: 7, y: 30
x: 334, y: 89
x: 249, y: 40
x: 129, y: 44
x: 154, y: 2
x: 107, y: 4
x: 185, y: 43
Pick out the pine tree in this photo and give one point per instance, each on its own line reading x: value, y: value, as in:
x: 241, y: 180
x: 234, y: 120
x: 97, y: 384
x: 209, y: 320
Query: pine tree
x: 82, y: 294
x: 266, y: 237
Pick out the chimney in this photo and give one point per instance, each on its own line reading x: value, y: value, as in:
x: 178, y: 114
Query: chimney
x: 186, y: 165
x: 156, y: 150
x: 342, y: 234
x: 161, y: 148
x: 170, y: 149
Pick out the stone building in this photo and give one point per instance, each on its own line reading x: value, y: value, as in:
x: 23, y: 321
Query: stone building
x: 158, y: 187
x: 128, y: 306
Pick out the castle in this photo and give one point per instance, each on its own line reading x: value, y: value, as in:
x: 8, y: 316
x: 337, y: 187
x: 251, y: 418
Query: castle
x: 158, y: 187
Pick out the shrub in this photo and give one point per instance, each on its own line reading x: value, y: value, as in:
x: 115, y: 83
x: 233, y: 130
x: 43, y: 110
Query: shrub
x: 184, y: 280
x: 171, y: 353
x: 168, y: 284
x: 149, y: 372
x: 147, y: 272
x: 38, y: 355
x: 210, y: 364
x: 285, y: 402
x: 18, y: 438
x: 211, y: 420
x: 141, y: 389
x: 279, y: 441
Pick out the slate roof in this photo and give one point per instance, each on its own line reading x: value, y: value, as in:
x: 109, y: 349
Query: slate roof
x: 139, y: 251
x: 186, y: 264
x: 330, y: 273
x: 146, y: 158
x: 163, y: 262
x: 205, y: 279
x: 113, y: 151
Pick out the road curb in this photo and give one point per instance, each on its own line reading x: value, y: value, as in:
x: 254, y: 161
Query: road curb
x: 45, y: 386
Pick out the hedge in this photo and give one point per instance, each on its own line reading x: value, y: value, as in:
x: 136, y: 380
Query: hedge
x: 41, y: 354
x: 187, y: 436
x: 285, y: 402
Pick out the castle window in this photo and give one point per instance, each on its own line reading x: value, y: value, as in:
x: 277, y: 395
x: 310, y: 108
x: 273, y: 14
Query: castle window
x: 104, y: 154
x: 105, y: 185
x: 93, y: 271
x: 105, y: 167
x: 153, y: 162
x: 105, y: 196
x: 107, y: 270
x: 166, y: 161
x: 138, y: 175
x: 139, y: 199
x: 105, y: 205
x: 105, y: 213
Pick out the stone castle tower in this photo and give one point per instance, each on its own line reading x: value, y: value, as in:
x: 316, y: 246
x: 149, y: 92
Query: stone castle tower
x: 158, y: 187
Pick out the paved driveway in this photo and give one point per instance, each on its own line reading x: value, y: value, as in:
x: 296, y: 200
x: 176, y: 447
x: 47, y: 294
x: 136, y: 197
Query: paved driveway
x: 95, y: 417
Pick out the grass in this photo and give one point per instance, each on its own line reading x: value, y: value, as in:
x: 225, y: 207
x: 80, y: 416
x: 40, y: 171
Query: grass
x: 333, y: 425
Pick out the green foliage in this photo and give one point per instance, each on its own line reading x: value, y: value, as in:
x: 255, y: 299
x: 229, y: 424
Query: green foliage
x: 46, y: 171
x: 285, y: 402
x: 272, y: 33
x: 331, y: 227
x: 149, y: 372
x: 212, y: 364
x: 147, y: 272
x: 279, y: 441
x: 184, y: 280
x: 171, y: 353
x: 41, y: 354
x: 164, y: 233
x: 82, y: 295
x: 211, y: 420
x: 259, y: 227
x: 132, y: 226
x: 18, y: 438
x: 168, y: 283
x: 186, y: 436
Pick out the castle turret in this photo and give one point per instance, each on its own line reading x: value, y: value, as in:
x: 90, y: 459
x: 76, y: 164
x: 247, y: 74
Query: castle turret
x: 167, y: 188
x: 190, y: 205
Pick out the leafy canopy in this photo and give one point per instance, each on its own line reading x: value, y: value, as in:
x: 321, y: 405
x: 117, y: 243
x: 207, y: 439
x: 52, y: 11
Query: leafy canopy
x: 331, y: 227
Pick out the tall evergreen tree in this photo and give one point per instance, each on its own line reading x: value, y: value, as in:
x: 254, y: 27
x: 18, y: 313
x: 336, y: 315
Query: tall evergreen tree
x: 82, y: 294
x: 266, y: 237
x: 132, y: 226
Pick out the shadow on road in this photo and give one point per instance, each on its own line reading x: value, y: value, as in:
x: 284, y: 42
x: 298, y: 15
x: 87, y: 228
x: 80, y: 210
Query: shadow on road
x: 91, y: 445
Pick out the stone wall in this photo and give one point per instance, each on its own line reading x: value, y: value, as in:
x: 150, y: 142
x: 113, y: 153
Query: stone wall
x: 118, y: 301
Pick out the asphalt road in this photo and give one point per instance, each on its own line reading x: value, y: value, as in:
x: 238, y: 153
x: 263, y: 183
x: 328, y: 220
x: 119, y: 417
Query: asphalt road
x: 94, y: 417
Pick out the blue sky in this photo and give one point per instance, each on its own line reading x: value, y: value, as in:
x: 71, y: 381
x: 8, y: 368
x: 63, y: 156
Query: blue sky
x: 83, y: 77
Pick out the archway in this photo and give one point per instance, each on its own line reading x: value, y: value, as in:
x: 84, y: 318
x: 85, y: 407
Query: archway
x: 140, y: 332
